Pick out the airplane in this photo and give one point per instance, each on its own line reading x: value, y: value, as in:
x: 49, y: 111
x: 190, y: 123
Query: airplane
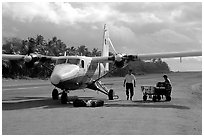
x: 79, y: 72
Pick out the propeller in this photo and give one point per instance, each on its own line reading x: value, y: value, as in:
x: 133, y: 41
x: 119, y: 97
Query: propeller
x: 32, y: 58
x: 120, y: 60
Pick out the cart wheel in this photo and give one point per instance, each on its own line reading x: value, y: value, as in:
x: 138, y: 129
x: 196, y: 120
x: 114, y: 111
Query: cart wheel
x: 144, y: 97
x: 154, y: 98
x: 168, y: 98
x: 158, y: 97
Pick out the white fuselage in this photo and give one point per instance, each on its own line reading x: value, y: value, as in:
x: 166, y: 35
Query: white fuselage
x: 72, y: 74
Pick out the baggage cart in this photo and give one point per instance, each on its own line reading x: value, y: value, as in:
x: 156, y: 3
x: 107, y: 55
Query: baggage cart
x: 156, y: 92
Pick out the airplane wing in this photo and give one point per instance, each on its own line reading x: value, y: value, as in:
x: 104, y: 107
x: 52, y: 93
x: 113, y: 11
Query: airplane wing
x: 169, y: 55
x: 122, y: 57
x: 12, y: 57
x: 39, y: 56
x: 118, y: 58
x: 103, y: 59
x: 31, y: 58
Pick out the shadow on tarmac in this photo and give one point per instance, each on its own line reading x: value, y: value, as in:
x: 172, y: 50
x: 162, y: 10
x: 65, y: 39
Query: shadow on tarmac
x: 48, y: 103
x: 145, y: 105
x: 34, y: 102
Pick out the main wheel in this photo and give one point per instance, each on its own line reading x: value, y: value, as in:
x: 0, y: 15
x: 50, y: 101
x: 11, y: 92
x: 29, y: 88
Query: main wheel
x: 154, y: 98
x: 145, y: 97
x: 55, y: 94
x: 168, y: 98
x: 158, y: 97
x: 64, y: 98
x: 110, y: 94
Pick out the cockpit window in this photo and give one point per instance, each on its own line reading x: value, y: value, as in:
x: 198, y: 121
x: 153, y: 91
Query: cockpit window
x: 69, y: 61
x: 73, y: 61
x: 61, y: 61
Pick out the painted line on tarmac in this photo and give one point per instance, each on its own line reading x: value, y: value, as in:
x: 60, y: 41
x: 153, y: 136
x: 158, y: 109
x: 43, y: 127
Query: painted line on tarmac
x: 26, y: 85
x: 20, y: 88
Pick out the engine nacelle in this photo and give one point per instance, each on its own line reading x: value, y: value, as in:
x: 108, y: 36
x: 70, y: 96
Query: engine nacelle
x: 31, y: 60
x: 119, y: 61
x: 119, y: 57
x: 119, y: 64
x: 28, y: 58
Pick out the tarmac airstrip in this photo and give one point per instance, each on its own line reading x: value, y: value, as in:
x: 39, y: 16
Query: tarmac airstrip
x: 27, y: 109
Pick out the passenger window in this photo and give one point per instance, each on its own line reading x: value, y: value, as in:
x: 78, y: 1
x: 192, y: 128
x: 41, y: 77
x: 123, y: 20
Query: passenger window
x: 61, y: 61
x: 82, y: 63
x: 73, y: 61
x: 93, y: 66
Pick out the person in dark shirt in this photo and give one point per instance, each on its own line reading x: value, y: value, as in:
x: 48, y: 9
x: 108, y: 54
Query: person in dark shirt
x: 167, y: 83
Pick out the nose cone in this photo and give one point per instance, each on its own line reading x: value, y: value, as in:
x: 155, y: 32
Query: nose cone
x: 63, y: 72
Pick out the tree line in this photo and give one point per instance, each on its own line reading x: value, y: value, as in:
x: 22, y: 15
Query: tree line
x: 56, y: 47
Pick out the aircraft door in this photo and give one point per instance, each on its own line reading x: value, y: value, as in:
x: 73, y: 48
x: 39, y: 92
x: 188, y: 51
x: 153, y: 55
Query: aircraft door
x: 82, y: 66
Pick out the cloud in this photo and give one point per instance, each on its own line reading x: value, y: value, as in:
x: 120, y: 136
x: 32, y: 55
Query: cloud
x: 170, y: 36
x: 58, y: 13
x: 142, y: 24
x: 188, y: 13
x: 135, y: 27
x: 72, y: 13
x: 150, y: 18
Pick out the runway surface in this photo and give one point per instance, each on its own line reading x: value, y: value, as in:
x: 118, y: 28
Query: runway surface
x: 27, y: 109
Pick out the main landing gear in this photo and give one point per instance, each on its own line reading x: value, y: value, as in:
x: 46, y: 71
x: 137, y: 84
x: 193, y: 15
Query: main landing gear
x: 110, y: 94
x: 64, y: 97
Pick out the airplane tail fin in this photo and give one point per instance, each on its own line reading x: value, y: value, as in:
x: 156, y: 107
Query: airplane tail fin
x: 106, y: 45
x: 105, y: 50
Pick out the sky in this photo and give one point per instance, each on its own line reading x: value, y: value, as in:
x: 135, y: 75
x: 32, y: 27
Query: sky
x: 134, y: 27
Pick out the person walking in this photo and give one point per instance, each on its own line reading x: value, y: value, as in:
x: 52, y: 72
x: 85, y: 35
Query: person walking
x: 129, y: 83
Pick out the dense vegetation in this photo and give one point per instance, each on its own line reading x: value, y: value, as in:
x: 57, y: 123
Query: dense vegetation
x: 55, y: 47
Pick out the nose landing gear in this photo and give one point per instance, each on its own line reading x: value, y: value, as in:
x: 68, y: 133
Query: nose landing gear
x: 64, y: 97
x: 55, y: 94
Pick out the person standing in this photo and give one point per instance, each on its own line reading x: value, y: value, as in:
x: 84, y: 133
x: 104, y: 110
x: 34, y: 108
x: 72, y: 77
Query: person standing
x: 167, y: 84
x: 129, y: 83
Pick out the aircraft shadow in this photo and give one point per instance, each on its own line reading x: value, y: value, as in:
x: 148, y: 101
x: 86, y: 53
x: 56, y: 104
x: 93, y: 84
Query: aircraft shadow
x: 35, y: 102
x: 48, y: 103
x: 146, y: 104
x: 32, y: 102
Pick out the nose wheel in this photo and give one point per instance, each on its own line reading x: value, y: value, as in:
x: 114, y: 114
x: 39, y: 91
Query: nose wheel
x: 64, y: 98
x: 55, y: 94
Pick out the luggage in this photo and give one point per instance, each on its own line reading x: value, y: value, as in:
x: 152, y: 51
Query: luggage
x: 99, y: 103
x: 94, y: 103
x: 89, y: 103
x: 79, y: 103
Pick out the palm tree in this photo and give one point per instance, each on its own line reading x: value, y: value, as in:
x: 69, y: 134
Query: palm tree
x: 95, y: 52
